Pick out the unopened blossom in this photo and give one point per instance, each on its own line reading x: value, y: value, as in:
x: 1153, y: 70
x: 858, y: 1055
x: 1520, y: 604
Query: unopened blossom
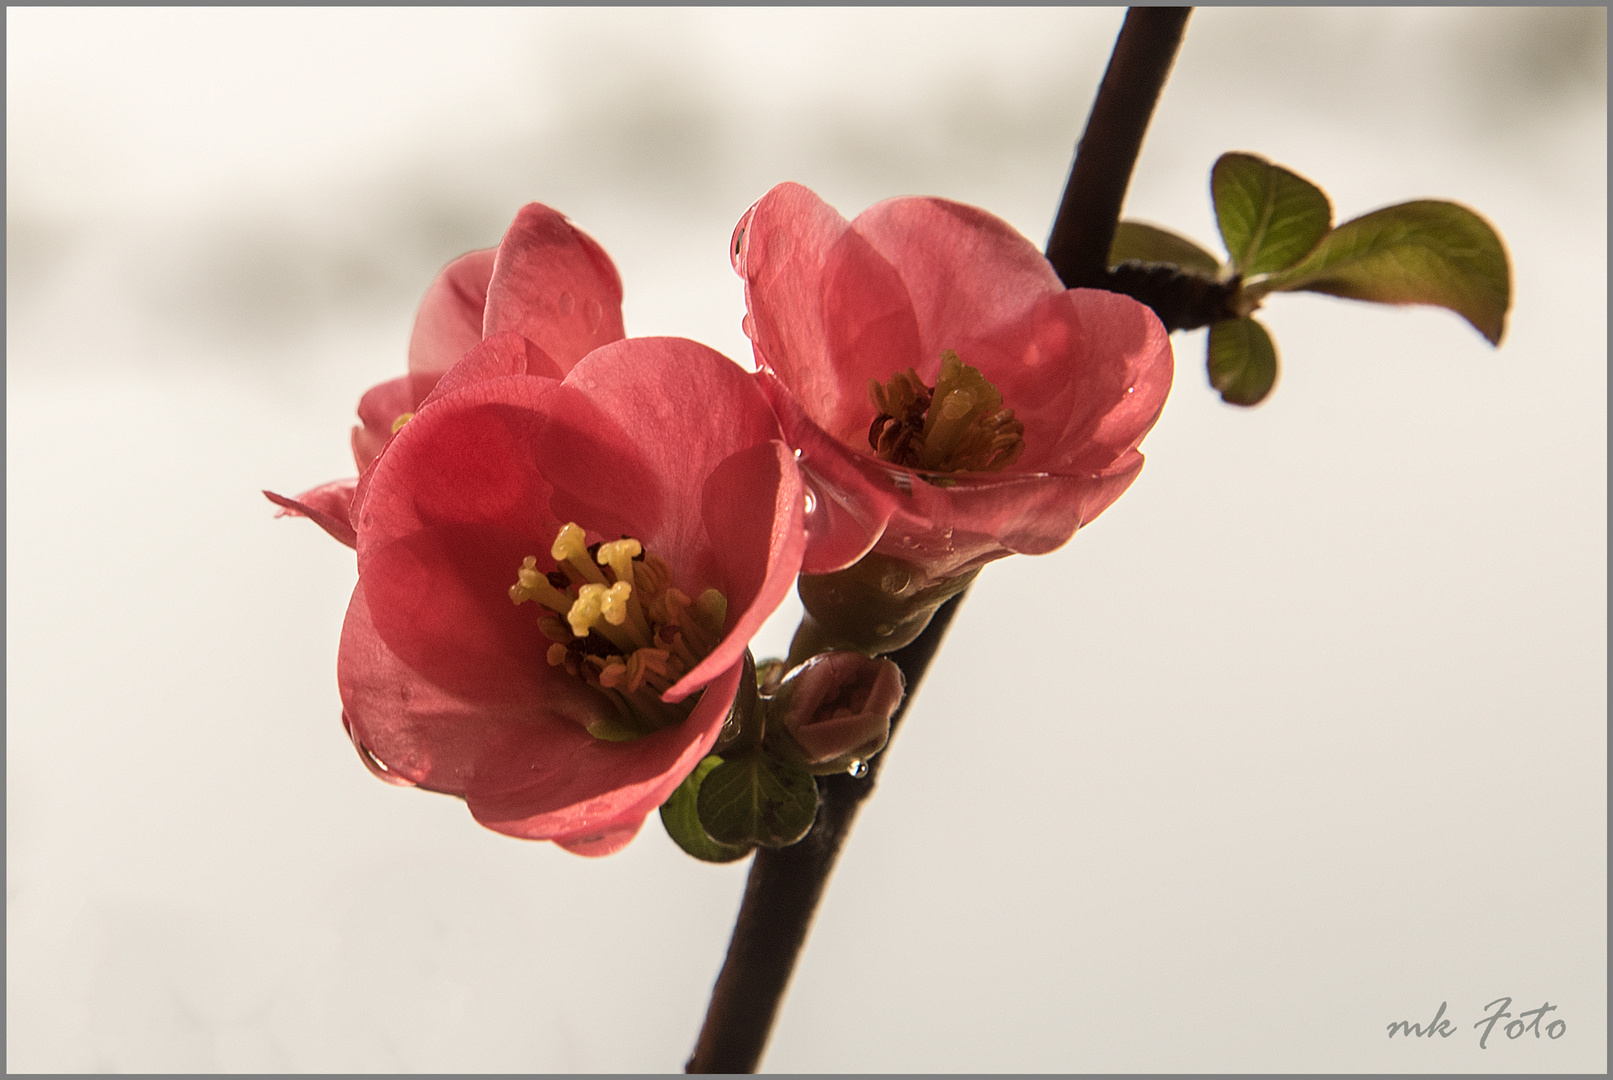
x: 837, y: 708
x: 950, y: 400
x: 558, y: 580
x: 547, y: 281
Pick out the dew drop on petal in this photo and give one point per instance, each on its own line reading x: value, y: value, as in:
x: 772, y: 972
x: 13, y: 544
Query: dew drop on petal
x: 566, y: 304
x: 857, y: 770
x: 748, y: 325
x: 594, y: 314
x: 811, y: 503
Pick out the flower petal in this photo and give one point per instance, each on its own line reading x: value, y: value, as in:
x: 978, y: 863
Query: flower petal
x: 412, y: 730
x: 449, y: 321
x: 758, y: 556
x: 827, y: 312
x: 969, y: 273
x: 600, y: 788
x: 379, y: 409
x: 503, y: 353
x: 662, y: 414
x: 555, y: 286
x: 326, y: 506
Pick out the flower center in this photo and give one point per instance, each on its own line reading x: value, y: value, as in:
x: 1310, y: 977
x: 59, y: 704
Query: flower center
x: 958, y: 425
x: 617, y: 623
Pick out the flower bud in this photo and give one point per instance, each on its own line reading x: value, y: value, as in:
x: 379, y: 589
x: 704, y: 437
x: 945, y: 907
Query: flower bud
x: 835, y: 710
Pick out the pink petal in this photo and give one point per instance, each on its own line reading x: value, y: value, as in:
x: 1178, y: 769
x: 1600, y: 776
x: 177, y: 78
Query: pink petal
x: 502, y: 354
x: 449, y: 321
x: 969, y: 273
x: 595, y: 845
x: 758, y: 555
x: 849, y: 510
x: 412, y: 730
x: 379, y: 409
x: 603, y: 787
x: 661, y: 414
x: 453, y: 506
x: 326, y: 506
x: 827, y: 313
x: 555, y: 286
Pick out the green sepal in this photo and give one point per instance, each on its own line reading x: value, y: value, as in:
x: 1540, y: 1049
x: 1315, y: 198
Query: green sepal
x: 1270, y: 218
x: 1151, y: 244
x: 757, y: 799
x: 1242, y: 361
x: 682, y: 820
x: 1424, y: 252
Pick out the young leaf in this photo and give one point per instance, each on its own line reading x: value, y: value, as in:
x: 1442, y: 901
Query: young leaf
x: 1270, y: 218
x: 682, y: 821
x: 1426, y: 252
x: 1242, y: 360
x: 757, y: 799
x: 1148, y: 243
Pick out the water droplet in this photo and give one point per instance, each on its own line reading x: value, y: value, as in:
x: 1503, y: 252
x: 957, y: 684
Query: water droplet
x: 857, y: 770
x: 1131, y: 389
x: 566, y: 304
x: 594, y: 314
x: 811, y: 504
x: 748, y: 325
x: 896, y: 582
x: 798, y: 453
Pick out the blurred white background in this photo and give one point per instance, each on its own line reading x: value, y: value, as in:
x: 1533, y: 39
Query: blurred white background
x: 1303, y: 737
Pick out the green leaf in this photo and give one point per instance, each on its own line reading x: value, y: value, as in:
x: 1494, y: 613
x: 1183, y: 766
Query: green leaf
x: 682, y: 821
x: 1270, y: 218
x: 757, y: 799
x: 1148, y: 243
x: 1243, y: 361
x: 1426, y: 252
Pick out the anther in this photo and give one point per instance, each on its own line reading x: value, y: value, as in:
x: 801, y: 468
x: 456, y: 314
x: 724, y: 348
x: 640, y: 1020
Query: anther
x: 619, y: 556
x: 571, y: 548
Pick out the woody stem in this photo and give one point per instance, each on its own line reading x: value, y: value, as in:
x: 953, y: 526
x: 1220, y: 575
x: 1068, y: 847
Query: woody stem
x: 785, y: 884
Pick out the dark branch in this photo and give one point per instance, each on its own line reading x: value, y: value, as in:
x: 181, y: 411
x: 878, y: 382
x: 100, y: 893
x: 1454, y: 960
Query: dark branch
x: 1182, y: 299
x: 1085, y: 227
x: 782, y: 893
x: 785, y: 884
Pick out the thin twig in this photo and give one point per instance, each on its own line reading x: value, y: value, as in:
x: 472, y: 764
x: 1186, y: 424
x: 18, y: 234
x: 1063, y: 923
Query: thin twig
x: 785, y: 885
x: 1085, y: 227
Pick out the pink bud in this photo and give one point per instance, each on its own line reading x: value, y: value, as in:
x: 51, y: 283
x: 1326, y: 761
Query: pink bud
x: 837, y: 706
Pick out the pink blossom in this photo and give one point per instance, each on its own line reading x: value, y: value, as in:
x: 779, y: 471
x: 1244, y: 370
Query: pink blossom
x: 547, y: 281
x: 448, y: 685
x: 835, y: 305
x: 837, y: 708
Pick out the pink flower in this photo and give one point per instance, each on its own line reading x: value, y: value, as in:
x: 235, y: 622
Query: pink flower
x: 547, y: 281
x: 658, y: 447
x: 940, y: 288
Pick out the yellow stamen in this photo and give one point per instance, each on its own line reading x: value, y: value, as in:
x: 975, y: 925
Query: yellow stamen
x: 620, y: 609
x: 403, y: 418
x: 958, y: 426
x: 650, y: 633
x: 571, y: 548
x: 619, y: 555
x: 533, y: 585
